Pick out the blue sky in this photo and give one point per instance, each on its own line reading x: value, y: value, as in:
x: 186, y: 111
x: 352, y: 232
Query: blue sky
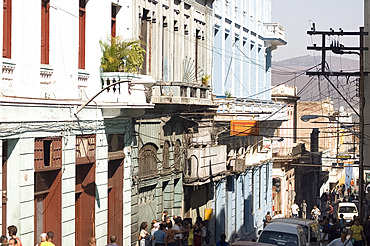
x: 296, y: 16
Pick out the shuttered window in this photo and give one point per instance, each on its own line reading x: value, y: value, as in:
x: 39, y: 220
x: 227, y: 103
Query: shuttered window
x: 48, y: 153
x: 7, y: 28
x: 45, y: 30
x: 113, y: 20
x: 85, y: 149
x: 82, y: 34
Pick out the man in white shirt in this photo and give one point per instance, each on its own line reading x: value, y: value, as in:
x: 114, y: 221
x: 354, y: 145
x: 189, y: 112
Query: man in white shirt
x: 342, y: 241
x: 295, y: 209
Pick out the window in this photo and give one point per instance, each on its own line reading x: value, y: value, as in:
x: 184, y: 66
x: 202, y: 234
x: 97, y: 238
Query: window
x: 148, y: 160
x: 82, y: 34
x: 113, y: 20
x: 166, y: 155
x: 85, y: 149
x: 7, y: 28
x: 116, y: 144
x: 45, y: 25
x: 177, y: 155
x: 48, y: 153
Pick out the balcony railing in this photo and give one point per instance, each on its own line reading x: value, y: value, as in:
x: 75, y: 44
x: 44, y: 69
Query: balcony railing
x: 204, y: 163
x: 275, y: 33
x: 135, y: 90
x: 181, y: 93
x: 7, y: 77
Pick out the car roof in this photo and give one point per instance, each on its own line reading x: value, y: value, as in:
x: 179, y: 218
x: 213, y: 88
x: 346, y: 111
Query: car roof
x: 297, y: 221
x: 282, y: 227
x: 249, y: 243
x: 348, y: 204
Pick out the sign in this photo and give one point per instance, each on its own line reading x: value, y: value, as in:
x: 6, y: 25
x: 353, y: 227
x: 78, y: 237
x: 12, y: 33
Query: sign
x: 244, y: 128
x: 266, y: 145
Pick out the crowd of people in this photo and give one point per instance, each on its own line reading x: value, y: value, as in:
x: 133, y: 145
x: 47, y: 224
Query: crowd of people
x: 176, y: 232
x: 46, y: 239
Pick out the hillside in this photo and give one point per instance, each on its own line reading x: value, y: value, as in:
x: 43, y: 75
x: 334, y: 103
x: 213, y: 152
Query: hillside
x: 309, y: 88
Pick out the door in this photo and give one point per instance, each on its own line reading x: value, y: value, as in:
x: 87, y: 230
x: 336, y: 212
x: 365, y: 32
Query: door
x: 85, y: 203
x: 115, y: 199
x: 4, y: 185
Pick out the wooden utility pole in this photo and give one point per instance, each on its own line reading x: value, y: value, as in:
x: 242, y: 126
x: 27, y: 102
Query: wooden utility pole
x: 338, y: 48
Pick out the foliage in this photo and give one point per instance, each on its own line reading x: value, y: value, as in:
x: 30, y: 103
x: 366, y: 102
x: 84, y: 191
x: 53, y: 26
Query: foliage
x: 121, y: 56
x: 228, y: 94
x: 205, y: 79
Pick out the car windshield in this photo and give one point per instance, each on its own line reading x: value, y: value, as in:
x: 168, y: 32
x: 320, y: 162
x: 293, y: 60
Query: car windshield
x: 278, y: 238
x: 347, y: 209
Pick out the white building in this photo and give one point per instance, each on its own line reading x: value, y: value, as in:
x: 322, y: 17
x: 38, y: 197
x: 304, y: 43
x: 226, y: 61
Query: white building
x: 65, y: 170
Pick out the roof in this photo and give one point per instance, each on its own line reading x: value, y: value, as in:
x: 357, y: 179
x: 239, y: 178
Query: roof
x: 298, y: 221
x: 249, y: 243
x: 282, y: 227
x: 348, y: 204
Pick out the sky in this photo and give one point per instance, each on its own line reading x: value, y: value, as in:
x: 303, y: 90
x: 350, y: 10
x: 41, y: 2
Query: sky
x: 297, y: 15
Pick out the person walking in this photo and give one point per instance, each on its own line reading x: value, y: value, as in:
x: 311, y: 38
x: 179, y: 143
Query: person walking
x: 342, y: 241
x: 144, y: 237
x: 304, y: 209
x: 267, y: 219
x: 315, y: 212
x: 113, y: 241
x: 197, y: 233
x: 49, y: 239
x: 295, y: 210
x: 12, y: 230
x: 160, y: 236
x: 331, y: 212
x: 357, y: 234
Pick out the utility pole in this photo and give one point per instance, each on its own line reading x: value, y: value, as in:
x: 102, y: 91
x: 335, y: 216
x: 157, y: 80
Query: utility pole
x: 338, y: 48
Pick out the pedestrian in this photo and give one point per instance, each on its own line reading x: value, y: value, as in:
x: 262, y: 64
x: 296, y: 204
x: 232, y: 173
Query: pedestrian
x: 357, y: 234
x: 164, y: 215
x: 342, y: 222
x: 304, y: 209
x: 113, y: 241
x: 191, y: 233
x: 179, y: 228
x: 204, y: 233
x: 267, y: 219
x: 92, y: 241
x: 12, y: 230
x: 197, y: 234
x: 342, y: 241
x: 144, y: 237
x: 366, y: 226
x: 155, y: 227
x: 222, y: 241
x: 3, y: 240
x: 295, y: 209
x: 185, y: 234
x: 160, y: 236
x: 13, y: 242
x: 49, y: 239
x: 42, y: 238
x: 334, y: 230
x: 325, y: 232
x: 331, y: 212
x: 315, y: 212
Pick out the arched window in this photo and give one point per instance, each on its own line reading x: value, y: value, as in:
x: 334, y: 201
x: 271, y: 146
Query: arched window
x: 177, y: 155
x: 166, y: 155
x: 148, y: 160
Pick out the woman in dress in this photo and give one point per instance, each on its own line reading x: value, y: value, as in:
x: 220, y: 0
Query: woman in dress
x: 144, y: 237
x: 197, y: 234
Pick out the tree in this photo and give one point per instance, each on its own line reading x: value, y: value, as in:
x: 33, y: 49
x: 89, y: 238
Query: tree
x: 121, y: 56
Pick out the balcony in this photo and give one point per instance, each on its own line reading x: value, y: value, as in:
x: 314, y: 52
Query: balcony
x: 7, y: 77
x: 274, y: 34
x: 205, y: 163
x: 181, y: 93
x: 132, y: 93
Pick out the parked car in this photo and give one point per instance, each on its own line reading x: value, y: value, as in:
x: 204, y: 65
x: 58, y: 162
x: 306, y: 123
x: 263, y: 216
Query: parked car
x: 348, y: 209
x: 310, y: 227
x: 286, y: 234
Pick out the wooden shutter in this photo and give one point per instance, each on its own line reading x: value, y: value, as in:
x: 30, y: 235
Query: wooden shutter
x: 85, y: 149
x: 57, y: 153
x: 7, y: 28
x: 113, y: 20
x: 39, y: 153
x: 45, y: 25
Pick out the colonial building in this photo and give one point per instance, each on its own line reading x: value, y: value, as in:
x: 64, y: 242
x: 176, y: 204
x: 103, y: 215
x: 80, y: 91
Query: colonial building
x: 66, y: 161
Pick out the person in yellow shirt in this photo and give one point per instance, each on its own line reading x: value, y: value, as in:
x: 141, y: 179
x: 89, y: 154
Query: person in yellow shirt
x: 357, y: 234
x: 49, y: 239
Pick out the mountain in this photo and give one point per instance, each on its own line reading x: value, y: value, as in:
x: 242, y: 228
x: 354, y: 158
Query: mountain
x: 292, y: 72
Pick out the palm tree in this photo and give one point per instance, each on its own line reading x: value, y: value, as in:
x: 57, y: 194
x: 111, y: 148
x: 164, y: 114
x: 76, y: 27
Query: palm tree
x: 121, y: 56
